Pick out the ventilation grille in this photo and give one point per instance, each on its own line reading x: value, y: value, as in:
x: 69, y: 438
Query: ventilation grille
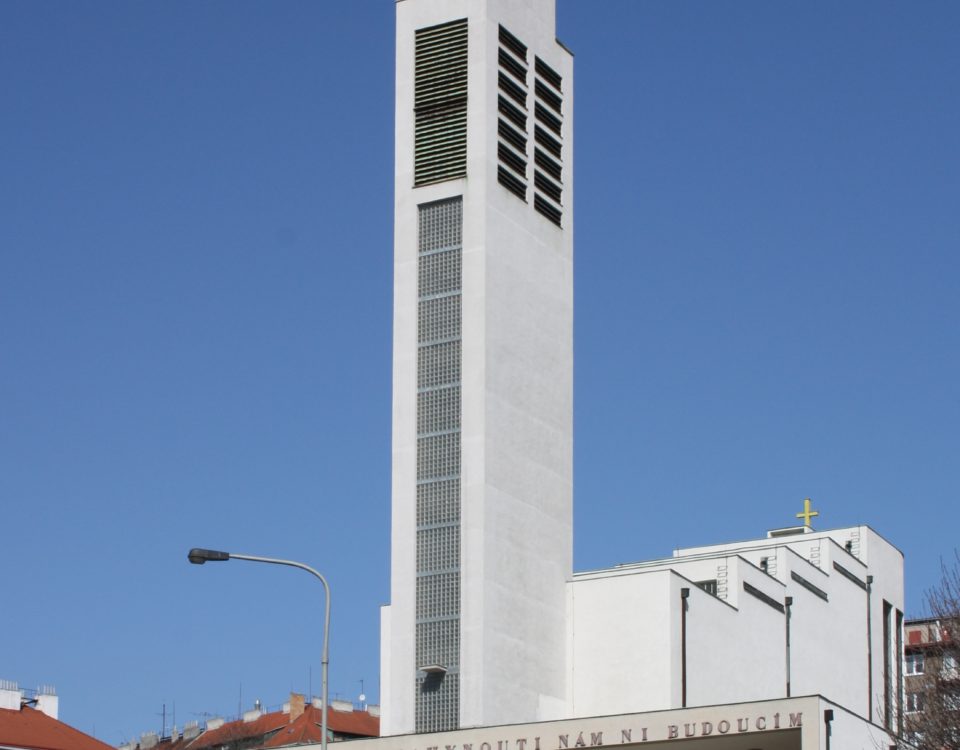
x: 548, y: 142
x: 440, y: 103
x: 439, y: 276
x: 512, y: 108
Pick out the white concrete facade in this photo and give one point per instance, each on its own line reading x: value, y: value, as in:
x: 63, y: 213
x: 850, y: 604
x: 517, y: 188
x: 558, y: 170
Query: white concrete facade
x: 626, y: 634
x: 517, y: 393
x: 805, y: 613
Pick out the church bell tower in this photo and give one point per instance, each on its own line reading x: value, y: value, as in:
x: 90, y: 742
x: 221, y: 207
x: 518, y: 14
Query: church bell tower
x: 475, y: 633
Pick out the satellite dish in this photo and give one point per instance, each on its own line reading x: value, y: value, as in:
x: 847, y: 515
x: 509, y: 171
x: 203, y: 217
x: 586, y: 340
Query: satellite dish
x: 362, y: 697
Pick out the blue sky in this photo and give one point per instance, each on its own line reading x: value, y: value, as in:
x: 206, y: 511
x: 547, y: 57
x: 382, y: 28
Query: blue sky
x: 195, y: 296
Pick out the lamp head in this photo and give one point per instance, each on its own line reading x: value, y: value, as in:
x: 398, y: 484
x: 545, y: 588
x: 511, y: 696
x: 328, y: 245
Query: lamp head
x: 198, y: 555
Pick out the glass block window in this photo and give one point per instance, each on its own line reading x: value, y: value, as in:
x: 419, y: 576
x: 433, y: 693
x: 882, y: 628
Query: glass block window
x: 438, y: 465
x: 438, y: 501
x: 438, y: 318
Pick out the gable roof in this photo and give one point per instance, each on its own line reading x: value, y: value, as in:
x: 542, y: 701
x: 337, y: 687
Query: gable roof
x: 278, y: 731
x: 33, y: 729
x: 306, y: 728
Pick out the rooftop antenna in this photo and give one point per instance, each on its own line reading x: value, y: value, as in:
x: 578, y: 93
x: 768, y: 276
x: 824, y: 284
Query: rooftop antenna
x: 163, y: 726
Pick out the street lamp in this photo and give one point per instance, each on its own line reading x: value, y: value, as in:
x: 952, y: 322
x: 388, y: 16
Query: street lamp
x: 199, y: 556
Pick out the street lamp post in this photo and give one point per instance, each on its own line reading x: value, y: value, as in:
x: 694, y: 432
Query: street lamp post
x: 199, y: 556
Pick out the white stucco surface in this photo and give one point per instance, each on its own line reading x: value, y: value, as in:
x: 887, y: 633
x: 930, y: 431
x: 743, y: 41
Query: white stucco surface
x: 517, y: 393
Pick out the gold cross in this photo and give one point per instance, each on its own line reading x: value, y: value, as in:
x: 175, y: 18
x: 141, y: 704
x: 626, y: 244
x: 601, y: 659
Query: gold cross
x: 807, y: 513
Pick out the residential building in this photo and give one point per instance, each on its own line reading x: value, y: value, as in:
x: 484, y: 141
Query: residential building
x: 29, y: 721
x: 296, y: 723
x: 931, y: 689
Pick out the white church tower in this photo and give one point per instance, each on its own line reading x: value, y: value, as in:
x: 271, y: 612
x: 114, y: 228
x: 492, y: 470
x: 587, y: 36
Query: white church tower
x: 476, y: 631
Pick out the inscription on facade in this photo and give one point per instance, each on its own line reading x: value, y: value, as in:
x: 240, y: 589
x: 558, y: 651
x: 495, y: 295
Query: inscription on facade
x: 636, y: 735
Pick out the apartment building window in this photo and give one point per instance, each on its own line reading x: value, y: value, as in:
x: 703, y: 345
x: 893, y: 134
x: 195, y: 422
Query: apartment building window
x: 914, y: 703
x: 949, y: 668
x: 914, y: 664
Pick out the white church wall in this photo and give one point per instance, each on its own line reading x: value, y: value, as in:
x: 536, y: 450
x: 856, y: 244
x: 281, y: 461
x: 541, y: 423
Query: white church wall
x: 828, y: 637
x: 736, y: 653
x: 625, y: 646
x: 885, y: 564
x: 849, y: 732
x: 517, y: 552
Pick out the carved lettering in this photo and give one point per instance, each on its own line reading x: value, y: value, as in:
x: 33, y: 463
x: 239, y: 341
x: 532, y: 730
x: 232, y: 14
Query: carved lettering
x: 484, y: 746
x: 743, y: 725
x: 503, y: 744
x: 706, y: 728
x: 626, y: 735
x: 643, y: 736
x: 723, y: 727
x: 563, y: 741
x: 580, y: 742
x: 521, y: 743
x: 673, y: 731
x: 761, y: 722
x: 776, y: 721
x: 536, y: 743
x: 690, y: 730
x: 450, y: 747
x: 596, y: 738
x: 796, y: 719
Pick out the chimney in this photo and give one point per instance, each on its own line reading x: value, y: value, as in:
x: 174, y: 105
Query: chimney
x: 48, y: 702
x: 9, y: 695
x: 149, y: 739
x: 296, y: 706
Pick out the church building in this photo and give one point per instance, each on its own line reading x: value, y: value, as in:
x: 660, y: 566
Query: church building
x: 490, y: 640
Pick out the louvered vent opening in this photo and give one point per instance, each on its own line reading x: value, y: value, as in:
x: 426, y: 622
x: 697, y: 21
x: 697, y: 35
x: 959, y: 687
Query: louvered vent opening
x: 510, y: 42
x: 547, y: 135
x: 440, y: 103
x: 513, y: 114
x: 512, y: 108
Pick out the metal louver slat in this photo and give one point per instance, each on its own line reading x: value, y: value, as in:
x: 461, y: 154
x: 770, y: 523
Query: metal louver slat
x: 440, y: 103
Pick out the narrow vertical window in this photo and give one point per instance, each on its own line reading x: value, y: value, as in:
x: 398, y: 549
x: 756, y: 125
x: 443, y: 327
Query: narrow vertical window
x: 438, y: 466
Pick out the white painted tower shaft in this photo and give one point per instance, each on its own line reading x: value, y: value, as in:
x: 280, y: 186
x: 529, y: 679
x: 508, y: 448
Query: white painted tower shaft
x: 482, y: 368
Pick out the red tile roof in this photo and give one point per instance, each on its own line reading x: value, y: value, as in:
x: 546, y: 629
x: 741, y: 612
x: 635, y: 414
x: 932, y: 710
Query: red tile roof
x: 29, y: 728
x: 232, y: 731
x: 305, y: 728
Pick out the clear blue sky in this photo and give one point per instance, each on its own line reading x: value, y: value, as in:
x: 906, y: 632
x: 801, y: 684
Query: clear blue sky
x: 195, y: 302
